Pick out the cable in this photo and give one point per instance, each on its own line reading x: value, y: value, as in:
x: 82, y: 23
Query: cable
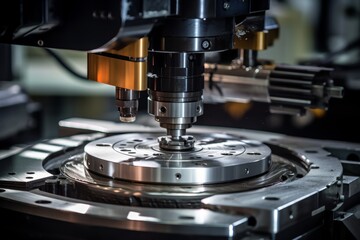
x: 214, y: 84
x: 64, y: 64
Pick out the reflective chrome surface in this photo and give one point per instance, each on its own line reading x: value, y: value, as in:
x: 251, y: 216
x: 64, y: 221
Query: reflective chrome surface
x: 215, y: 158
x: 303, y: 185
x: 104, y: 189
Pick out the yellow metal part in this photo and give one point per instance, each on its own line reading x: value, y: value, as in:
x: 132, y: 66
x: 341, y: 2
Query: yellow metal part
x: 257, y: 40
x: 125, y: 68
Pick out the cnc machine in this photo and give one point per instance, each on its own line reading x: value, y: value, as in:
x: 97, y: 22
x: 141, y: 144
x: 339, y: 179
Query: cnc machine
x: 178, y: 180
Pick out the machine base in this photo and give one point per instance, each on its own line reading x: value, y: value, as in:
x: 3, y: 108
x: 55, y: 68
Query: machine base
x: 310, y: 189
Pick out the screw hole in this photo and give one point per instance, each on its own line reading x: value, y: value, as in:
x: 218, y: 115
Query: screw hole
x: 253, y: 153
x: 311, y: 151
x: 178, y: 176
x: 30, y: 172
x: 227, y: 154
x: 200, y: 164
x: 43, y: 201
x: 11, y: 173
x: 186, y: 217
x: 40, y: 43
x: 103, y: 144
x: 230, y: 146
x: 252, y: 221
x: 283, y: 178
x: 198, y: 108
x: 269, y: 198
x: 163, y: 109
x: 206, y: 44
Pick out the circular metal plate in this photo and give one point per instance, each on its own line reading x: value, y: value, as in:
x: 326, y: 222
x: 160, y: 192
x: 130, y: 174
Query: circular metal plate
x: 215, y: 158
x: 93, y: 187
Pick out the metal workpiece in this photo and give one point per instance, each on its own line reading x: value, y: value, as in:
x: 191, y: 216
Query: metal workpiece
x: 235, y: 83
x: 25, y: 169
x: 296, y: 193
x: 180, y: 143
x: 283, y: 206
x: 213, y: 159
x: 122, y: 219
x: 114, y: 180
x: 294, y: 88
x: 127, y: 101
x: 94, y: 187
x: 289, y: 89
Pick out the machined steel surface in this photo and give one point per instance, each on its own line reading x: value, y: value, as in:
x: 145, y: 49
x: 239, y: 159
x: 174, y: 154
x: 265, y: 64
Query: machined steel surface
x: 282, y: 208
x: 108, y: 190
x: 215, y: 158
x: 198, y: 222
x: 310, y: 87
